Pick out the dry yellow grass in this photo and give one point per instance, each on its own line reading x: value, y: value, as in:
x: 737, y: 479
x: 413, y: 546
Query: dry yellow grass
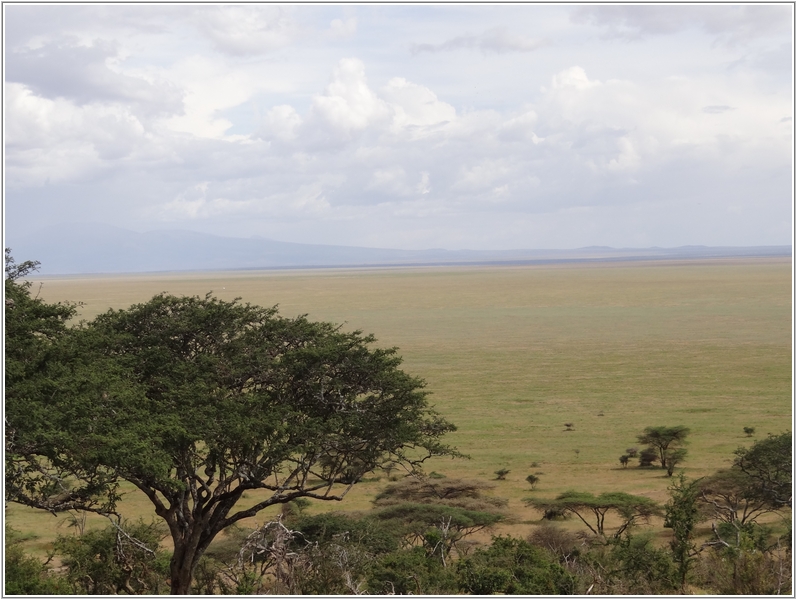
x: 512, y: 353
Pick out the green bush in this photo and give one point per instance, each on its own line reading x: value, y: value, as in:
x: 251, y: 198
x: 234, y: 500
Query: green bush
x: 27, y: 576
x: 110, y: 562
x: 512, y: 566
x: 411, y: 572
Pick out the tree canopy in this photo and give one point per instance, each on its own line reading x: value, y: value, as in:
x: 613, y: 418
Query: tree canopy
x: 731, y: 495
x: 628, y: 507
x: 768, y: 464
x: 196, y: 401
x: 664, y: 442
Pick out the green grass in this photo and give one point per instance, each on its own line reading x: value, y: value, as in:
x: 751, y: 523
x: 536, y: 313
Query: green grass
x: 512, y: 353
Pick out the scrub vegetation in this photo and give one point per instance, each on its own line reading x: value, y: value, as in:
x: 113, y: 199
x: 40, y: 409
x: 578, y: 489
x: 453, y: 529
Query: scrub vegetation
x: 676, y: 366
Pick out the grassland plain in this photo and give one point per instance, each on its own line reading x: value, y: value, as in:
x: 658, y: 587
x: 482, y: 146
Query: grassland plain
x: 512, y: 353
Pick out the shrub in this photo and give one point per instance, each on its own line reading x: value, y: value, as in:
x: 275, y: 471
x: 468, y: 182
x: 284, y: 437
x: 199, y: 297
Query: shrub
x: 27, y: 576
x: 559, y: 542
x: 533, y: 480
x: 647, y: 457
x: 410, y: 571
x: 501, y: 474
x: 463, y: 493
x: 111, y: 562
x: 512, y: 566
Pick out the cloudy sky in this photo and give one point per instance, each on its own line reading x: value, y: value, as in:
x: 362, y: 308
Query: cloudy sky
x: 416, y: 126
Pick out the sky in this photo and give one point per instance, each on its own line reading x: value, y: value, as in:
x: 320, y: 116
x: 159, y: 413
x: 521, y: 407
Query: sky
x: 404, y: 126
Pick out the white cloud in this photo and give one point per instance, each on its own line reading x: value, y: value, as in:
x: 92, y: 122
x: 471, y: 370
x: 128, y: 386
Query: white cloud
x: 348, y: 105
x: 90, y: 73
x: 574, y: 77
x: 123, y: 110
x: 247, y: 29
x: 210, y: 86
x: 415, y: 104
x: 342, y: 28
x: 281, y: 122
x: 58, y: 141
x: 424, y: 186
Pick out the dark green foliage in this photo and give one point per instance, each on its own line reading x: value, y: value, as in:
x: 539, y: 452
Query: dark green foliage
x: 624, y: 460
x: 501, y: 474
x: 369, y: 533
x: 26, y: 575
x: 197, y: 400
x: 681, y: 514
x: 512, y: 566
x: 633, y: 565
x: 436, y: 527
x: 749, y: 431
x: 647, y: 457
x: 672, y: 458
x: 33, y: 331
x: 665, y: 442
x: 533, y: 480
x: 629, y: 508
x: 768, y: 464
x: 111, y: 561
x: 411, y: 571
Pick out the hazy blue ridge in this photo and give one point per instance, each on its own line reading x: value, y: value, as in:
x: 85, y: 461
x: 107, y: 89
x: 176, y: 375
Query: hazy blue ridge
x: 84, y: 248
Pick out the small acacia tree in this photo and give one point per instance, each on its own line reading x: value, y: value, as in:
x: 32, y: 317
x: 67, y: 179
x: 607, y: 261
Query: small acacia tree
x: 665, y: 442
x: 196, y: 401
x: 630, y: 509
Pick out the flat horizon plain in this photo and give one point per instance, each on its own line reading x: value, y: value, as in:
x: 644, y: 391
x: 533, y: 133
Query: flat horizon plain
x: 511, y: 353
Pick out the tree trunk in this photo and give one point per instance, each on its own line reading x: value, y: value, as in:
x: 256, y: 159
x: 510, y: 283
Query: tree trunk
x: 182, y: 574
x: 184, y: 561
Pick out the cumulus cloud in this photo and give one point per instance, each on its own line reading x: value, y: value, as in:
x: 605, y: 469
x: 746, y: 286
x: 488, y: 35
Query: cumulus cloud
x: 83, y: 74
x: 210, y: 87
x: 415, y: 104
x: 242, y: 30
x: 57, y: 140
x: 348, y: 105
x: 497, y: 39
x: 188, y: 119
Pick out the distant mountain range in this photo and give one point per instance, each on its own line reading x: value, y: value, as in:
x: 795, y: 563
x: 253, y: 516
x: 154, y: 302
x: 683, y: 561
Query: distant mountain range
x: 87, y: 248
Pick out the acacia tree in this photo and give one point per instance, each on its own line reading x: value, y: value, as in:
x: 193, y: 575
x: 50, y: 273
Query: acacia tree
x: 768, y: 464
x: 628, y: 507
x: 196, y: 401
x: 664, y: 441
x: 732, y: 496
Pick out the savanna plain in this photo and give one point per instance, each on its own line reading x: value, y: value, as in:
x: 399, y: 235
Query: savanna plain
x: 510, y: 354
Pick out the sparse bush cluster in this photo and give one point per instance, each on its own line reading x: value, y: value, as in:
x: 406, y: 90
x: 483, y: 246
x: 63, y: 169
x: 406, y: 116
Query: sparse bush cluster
x: 416, y: 541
